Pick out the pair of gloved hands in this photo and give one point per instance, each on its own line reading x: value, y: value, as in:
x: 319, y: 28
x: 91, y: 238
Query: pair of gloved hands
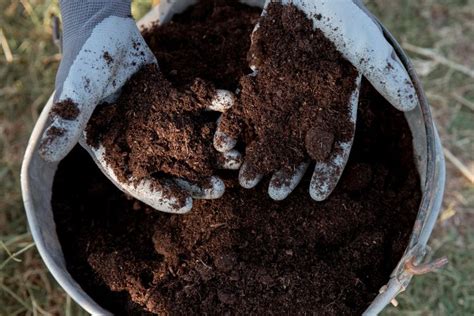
x: 103, y: 48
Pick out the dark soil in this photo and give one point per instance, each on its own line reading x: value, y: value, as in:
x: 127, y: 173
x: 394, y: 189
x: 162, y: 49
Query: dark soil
x: 245, y: 253
x: 209, y: 41
x: 159, y: 126
x: 297, y: 107
x: 66, y: 109
x: 153, y: 129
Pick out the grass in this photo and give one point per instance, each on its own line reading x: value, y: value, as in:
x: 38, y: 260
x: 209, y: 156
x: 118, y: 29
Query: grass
x: 443, y: 26
x: 26, y: 81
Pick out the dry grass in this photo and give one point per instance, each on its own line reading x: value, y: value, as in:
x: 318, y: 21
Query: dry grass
x: 26, y: 80
x: 28, y: 61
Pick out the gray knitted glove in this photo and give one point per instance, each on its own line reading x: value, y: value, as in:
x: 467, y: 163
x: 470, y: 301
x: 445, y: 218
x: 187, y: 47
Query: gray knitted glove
x: 102, y: 49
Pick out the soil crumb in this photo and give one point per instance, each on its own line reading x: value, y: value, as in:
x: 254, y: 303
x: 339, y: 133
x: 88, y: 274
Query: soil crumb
x: 66, y: 109
x: 297, y: 106
x: 245, y: 253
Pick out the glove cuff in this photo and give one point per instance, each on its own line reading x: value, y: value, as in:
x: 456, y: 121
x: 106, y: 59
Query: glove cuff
x: 79, y: 18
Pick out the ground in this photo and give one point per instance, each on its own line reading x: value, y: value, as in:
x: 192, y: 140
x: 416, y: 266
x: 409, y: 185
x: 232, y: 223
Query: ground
x: 437, y: 34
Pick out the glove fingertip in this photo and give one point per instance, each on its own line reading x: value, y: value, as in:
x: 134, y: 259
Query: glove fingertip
x: 175, y: 203
x: 222, y: 142
x: 399, y: 89
x: 173, y: 208
x: 408, y: 97
x: 209, y: 189
x: 48, y: 148
x: 56, y: 143
x: 248, y: 178
x: 405, y: 98
x: 230, y: 160
x: 321, y: 185
x: 222, y: 101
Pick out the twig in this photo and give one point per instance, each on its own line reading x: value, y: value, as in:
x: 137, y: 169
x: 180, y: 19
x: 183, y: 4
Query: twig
x: 200, y: 260
x: 14, y: 255
x: 6, y: 48
x: 51, y: 59
x: 15, y: 296
x: 463, y: 101
x: 16, y: 238
x: 29, y: 10
x: 9, y: 252
x: 459, y: 165
x: 217, y: 225
x: 425, y: 267
x: 428, y: 53
x: 36, y: 307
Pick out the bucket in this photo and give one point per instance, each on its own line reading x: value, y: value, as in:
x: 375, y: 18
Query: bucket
x: 37, y: 178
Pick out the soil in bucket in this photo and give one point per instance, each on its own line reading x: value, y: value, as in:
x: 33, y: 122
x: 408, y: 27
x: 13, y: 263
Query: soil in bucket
x: 243, y: 253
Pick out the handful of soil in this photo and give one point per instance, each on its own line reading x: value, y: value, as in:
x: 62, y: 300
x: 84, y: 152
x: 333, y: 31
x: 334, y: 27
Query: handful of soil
x: 159, y: 126
x: 296, y: 107
x: 154, y: 128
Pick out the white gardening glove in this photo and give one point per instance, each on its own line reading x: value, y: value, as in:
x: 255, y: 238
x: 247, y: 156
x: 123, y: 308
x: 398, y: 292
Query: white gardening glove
x: 102, y: 49
x: 360, y: 40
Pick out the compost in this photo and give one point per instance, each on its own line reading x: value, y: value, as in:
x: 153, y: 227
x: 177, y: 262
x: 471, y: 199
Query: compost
x: 155, y: 129
x: 159, y: 125
x: 301, y: 92
x: 243, y: 253
x: 294, y: 110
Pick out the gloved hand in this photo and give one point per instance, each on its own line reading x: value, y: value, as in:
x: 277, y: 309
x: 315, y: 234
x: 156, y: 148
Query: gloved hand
x: 102, y: 49
x: 356, y: 35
